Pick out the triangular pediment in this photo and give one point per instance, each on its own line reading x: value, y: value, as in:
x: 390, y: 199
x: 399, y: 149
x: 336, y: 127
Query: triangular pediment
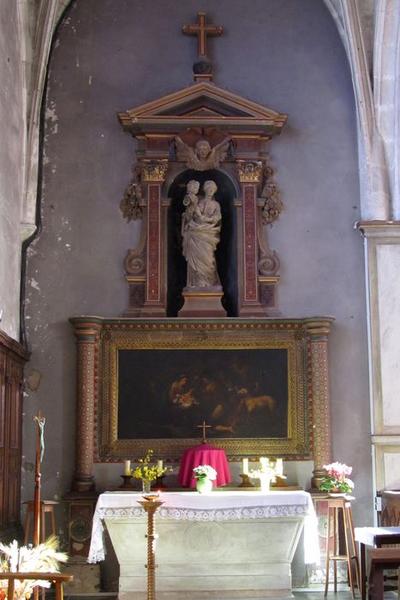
x: 201, y: 104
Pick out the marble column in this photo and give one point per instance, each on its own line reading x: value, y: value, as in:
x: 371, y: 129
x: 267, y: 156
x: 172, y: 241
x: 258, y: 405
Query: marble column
x: 250, y: 175
x: 318, y: 381
x: 87, y: 335
x: 153, y: 175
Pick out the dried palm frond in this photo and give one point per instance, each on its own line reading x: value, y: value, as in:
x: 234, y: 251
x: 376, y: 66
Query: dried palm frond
x: 44, y: 558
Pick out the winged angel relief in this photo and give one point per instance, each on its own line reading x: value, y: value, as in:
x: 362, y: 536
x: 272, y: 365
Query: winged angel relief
x: 202, y: 157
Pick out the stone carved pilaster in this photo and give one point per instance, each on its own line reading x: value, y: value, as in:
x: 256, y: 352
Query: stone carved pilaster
x: 87, y: 335
x: 318, y: 380
x: 154, y: 173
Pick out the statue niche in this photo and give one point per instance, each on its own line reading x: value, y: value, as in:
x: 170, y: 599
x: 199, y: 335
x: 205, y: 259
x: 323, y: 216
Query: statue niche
x: 202, y: 239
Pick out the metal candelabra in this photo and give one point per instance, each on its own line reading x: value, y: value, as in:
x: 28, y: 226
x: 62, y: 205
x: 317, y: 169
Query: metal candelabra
x: 151, y: 504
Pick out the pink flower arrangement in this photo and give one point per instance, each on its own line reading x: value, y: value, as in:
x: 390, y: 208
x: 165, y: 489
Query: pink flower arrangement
x: 336, y: 478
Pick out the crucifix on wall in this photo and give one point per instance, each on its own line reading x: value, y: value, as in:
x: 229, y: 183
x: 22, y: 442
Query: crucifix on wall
x: 202, y: 69
x: 204, y: 427
x: 202, y: 30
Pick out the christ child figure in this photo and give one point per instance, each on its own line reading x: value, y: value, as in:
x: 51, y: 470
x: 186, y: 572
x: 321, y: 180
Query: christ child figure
x: 190, y: 201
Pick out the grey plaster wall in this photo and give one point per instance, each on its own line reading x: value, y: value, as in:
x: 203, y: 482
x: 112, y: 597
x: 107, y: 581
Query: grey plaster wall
x: 111, y: 55
x: 11, y: 166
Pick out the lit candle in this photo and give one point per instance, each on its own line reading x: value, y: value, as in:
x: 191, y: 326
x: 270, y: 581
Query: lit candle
x: 245, y: 467
x: 264, y: 463
x: 279, y: 467
x: 127, y: 467
x: 160, y: 464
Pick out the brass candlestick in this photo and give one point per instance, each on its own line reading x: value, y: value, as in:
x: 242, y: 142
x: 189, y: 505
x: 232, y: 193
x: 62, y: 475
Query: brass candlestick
x: 246, y: 483
x: 151, y: 504
x: 280, y: 481
x: 127, y: 482
x: 159, y: 483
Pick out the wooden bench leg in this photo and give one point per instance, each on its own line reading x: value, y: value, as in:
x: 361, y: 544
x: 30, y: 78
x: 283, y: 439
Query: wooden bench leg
x: 327, y: 559
x: 375, y: 588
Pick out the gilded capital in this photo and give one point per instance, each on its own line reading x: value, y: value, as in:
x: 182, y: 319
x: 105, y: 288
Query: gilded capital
x: 250, y: 171
x: 318, y: 327
x: 154, y: 170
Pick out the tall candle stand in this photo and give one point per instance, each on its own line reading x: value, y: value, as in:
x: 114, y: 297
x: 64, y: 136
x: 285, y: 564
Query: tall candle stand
x: 151, y: 504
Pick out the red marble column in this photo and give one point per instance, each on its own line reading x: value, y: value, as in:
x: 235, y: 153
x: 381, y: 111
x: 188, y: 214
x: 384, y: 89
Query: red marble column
x: 250, y: 175
x: 87, y: 335
x: 153, y: 174
x: 250, y: 288
x: 318, y: 380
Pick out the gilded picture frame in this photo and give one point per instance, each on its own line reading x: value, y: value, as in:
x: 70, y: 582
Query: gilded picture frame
x: 245, y: 346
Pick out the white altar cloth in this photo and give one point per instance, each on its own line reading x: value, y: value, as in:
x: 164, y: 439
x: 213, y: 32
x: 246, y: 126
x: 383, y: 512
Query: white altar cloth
x: 216, y: 506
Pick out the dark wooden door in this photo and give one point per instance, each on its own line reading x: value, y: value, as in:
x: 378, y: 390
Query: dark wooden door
x: 12, y: 359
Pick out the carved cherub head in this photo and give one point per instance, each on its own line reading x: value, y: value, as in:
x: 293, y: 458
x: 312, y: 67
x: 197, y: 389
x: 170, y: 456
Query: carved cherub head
x: 202, y: 149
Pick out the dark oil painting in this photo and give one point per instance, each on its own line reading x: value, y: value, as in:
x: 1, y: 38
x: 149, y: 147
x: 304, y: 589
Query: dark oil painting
x: 167, y: 393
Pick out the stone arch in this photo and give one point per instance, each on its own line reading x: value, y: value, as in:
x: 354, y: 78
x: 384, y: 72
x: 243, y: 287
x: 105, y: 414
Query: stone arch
x: 372, y: 169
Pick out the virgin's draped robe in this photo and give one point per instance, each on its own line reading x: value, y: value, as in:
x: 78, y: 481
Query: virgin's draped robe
x: 201, y: 226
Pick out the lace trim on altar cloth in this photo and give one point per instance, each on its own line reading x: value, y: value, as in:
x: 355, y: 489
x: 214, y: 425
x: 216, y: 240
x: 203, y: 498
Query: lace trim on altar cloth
x: 97, y: 553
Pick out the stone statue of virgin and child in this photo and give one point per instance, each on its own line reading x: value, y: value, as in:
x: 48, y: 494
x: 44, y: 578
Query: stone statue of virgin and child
x: 201, y: 227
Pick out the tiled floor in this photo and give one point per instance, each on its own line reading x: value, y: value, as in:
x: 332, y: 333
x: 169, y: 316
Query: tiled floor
x: 342, y: 595
x: 299, y: 595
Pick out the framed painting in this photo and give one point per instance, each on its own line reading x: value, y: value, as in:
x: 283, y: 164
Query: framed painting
x: 160, y: 380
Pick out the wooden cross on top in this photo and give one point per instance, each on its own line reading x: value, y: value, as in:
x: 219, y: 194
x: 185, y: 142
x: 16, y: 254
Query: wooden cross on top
x: 202, y: 30
x: 203, y: 426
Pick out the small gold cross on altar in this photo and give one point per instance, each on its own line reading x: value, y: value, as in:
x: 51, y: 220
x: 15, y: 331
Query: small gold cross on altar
x: 203, y: 426
x: 202, y: 30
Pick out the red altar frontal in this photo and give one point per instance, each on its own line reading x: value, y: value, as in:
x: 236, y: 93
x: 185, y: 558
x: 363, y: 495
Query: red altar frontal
x: 204, y: 454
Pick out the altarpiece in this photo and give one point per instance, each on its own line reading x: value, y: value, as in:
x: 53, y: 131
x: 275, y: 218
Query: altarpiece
x: 201, y: 336
x: 202, y: 285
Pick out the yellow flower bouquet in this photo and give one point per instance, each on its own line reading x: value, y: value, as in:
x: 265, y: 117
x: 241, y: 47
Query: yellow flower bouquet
x: 148, y: 470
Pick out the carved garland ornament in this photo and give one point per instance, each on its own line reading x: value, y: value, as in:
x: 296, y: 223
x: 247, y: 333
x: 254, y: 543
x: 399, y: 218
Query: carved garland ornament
x: 130, y: 204
x: 273, y: 205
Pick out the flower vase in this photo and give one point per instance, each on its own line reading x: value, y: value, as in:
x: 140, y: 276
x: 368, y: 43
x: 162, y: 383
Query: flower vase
x: 146, y: 486
x: 204, y: 485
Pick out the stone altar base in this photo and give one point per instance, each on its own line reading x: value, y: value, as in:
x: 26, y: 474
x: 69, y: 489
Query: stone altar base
x: 202, y: 302
x: 247, y: 558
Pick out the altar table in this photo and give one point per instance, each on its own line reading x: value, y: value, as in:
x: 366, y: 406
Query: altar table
x: 221, y: 545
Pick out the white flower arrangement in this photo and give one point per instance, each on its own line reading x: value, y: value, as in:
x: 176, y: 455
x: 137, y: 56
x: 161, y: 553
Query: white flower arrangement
x: 205, y: 472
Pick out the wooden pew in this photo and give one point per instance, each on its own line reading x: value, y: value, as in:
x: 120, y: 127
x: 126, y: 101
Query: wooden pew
x: 57, y: 578
x: 381, y: 560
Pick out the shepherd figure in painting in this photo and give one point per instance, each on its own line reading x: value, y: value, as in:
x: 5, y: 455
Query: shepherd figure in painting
x: 201, y: 227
